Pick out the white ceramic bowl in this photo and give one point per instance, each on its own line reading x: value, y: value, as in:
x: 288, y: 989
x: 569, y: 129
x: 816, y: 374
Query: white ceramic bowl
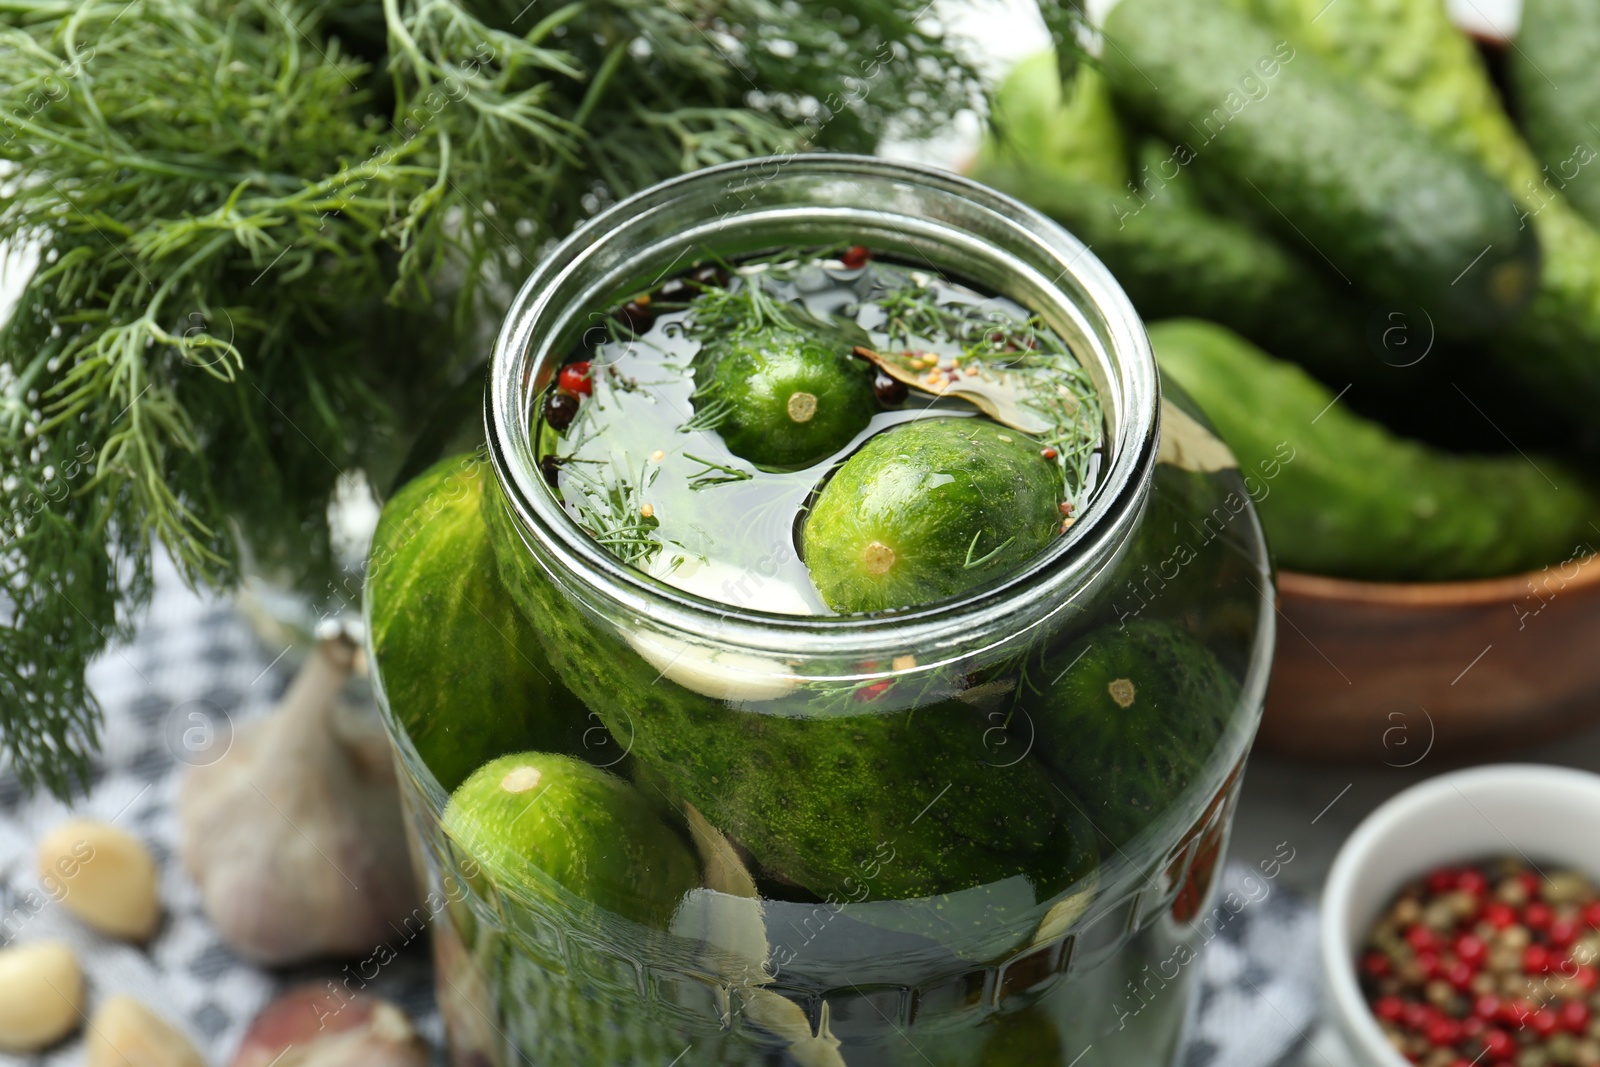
x: 1551, y: 815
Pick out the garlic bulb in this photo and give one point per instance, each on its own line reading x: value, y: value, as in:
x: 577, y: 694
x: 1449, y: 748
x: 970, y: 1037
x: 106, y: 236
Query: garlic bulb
x: 322, y: 1027
x: 295, y: 837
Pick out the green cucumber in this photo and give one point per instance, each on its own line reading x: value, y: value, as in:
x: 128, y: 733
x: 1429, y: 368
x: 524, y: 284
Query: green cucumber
x: 783, y: 400
x: 1350, y: 499
x: 1407, y: 55
x: 1028, y: 1038
x: 461, y: 670
x: 929, y: 509
x: 1389, y: 207
x: 1132, y: 721
x: 1175, y: 259
x: 1074, y: 131
x: 534, y: 816
x: 1555, y: 71
x: 822, y: 785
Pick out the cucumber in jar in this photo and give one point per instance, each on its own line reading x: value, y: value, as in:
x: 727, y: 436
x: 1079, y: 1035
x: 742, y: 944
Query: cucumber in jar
x: 783, y: 399
x: 930, y: 509
x: 462, y: 670
x: 1132, y: 721
x: 532, y: 819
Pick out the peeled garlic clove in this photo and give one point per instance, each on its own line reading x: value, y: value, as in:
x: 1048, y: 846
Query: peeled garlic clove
x: 41, y: 996
x: 125, y: 1033
x: 329, y: 1027
x: 295, y: 837
x: 104, y: 876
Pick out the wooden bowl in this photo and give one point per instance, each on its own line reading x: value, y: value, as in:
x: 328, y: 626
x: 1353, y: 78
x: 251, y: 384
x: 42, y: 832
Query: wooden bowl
x: 1395, y: 670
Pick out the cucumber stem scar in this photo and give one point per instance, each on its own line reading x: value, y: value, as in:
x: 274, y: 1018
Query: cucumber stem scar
x: 1121, y: 691
x: 877, y: 558
x: 801, y: 407
x: 520, y: 780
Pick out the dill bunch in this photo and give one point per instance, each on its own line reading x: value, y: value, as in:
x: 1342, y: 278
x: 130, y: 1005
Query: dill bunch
x: 273, y: 232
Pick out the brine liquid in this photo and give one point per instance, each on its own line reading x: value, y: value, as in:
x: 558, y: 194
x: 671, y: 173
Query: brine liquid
x: 635, y: 470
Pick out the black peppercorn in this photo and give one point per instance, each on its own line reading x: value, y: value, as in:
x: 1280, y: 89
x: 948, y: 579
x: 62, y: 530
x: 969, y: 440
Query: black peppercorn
x: 550, y: 467
x: 560, y: 409
x: 710, y: 275
x: 636, y: 315
x: 890, y: 391
x: 675, y: 291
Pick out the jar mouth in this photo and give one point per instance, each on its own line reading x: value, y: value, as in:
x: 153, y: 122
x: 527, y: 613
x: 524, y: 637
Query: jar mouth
x: 907, y: 211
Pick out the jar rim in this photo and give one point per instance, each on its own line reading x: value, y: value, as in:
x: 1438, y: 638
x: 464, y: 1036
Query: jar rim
x: 1119, y: 356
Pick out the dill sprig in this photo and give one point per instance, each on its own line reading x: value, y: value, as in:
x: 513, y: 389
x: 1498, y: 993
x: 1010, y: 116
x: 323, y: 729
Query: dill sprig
x: 612, y: 508
x: 273, y: 232
x: 713, y: 473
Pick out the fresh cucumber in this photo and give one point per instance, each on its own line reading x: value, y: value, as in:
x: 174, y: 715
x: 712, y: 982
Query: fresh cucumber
x: 1073, y: 129
x: 1407, y: 55
x: 1555, y: 72
x: 1390, y: 208
x: 1352, y: 500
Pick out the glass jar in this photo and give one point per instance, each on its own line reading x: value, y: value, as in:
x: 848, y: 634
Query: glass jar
x: 1009, y: 807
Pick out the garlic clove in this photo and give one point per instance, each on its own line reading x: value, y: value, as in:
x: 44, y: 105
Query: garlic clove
x: 325, y: 1027
x: 125, y: 1033
x: 295, y: 837
x: 104, y: 876
x: 41, y: 996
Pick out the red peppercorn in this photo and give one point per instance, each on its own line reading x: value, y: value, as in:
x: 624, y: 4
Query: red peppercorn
x: 1499, y: 915
x: 1586, y: 978
x: 1390, y: 1009
x: 1377, y: 965
x: 1575, y: 1016
x: 1487, y: 1006
x: 1591, y: 914
x: 1443, y: 1031
x: 1428, y: 964
x: 1562, y: 932
x: 1443, y: 880
x: 1472, y: 1027
x: 1530, y: 882
x: 1459, y: 974
x: 1544, y: 1022
x: 1537, y: 915
x: 1516, y: 1011
x: 1535, y: 959
x: 1421, y: 938
x: 1498, y: 1044
x: 575, y: 378
x: 1471, y: 950
x: 1472, y: 881
x: 1418, y: 1015
x: 855, y: 257
x: 873, y: 691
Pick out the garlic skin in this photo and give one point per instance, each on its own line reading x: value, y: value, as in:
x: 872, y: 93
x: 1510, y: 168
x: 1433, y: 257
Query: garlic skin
x: 125, y: 1033
x: 104, y: 876
x: 318, y: 1027
x: 295, y: 837
x: 41, y: 996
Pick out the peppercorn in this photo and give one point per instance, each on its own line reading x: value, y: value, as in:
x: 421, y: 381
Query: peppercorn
x: 891, y: 392
x: 560, y: 408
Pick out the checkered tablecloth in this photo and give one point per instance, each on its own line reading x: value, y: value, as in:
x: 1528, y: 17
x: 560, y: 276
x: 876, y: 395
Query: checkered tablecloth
x: 193, y: 653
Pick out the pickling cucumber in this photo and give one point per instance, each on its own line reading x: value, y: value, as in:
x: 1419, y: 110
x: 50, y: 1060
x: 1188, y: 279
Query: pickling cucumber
x: 929, y: 509
x: 534, y: 816
x: 1132, y: 719
x: 1349, y: 498
x: 781, y: 399
x: 1407, y: 55
x: 1390, y: 208
x: 462, y: 671
x: 1062, y: 150
x: 1555, y: 72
